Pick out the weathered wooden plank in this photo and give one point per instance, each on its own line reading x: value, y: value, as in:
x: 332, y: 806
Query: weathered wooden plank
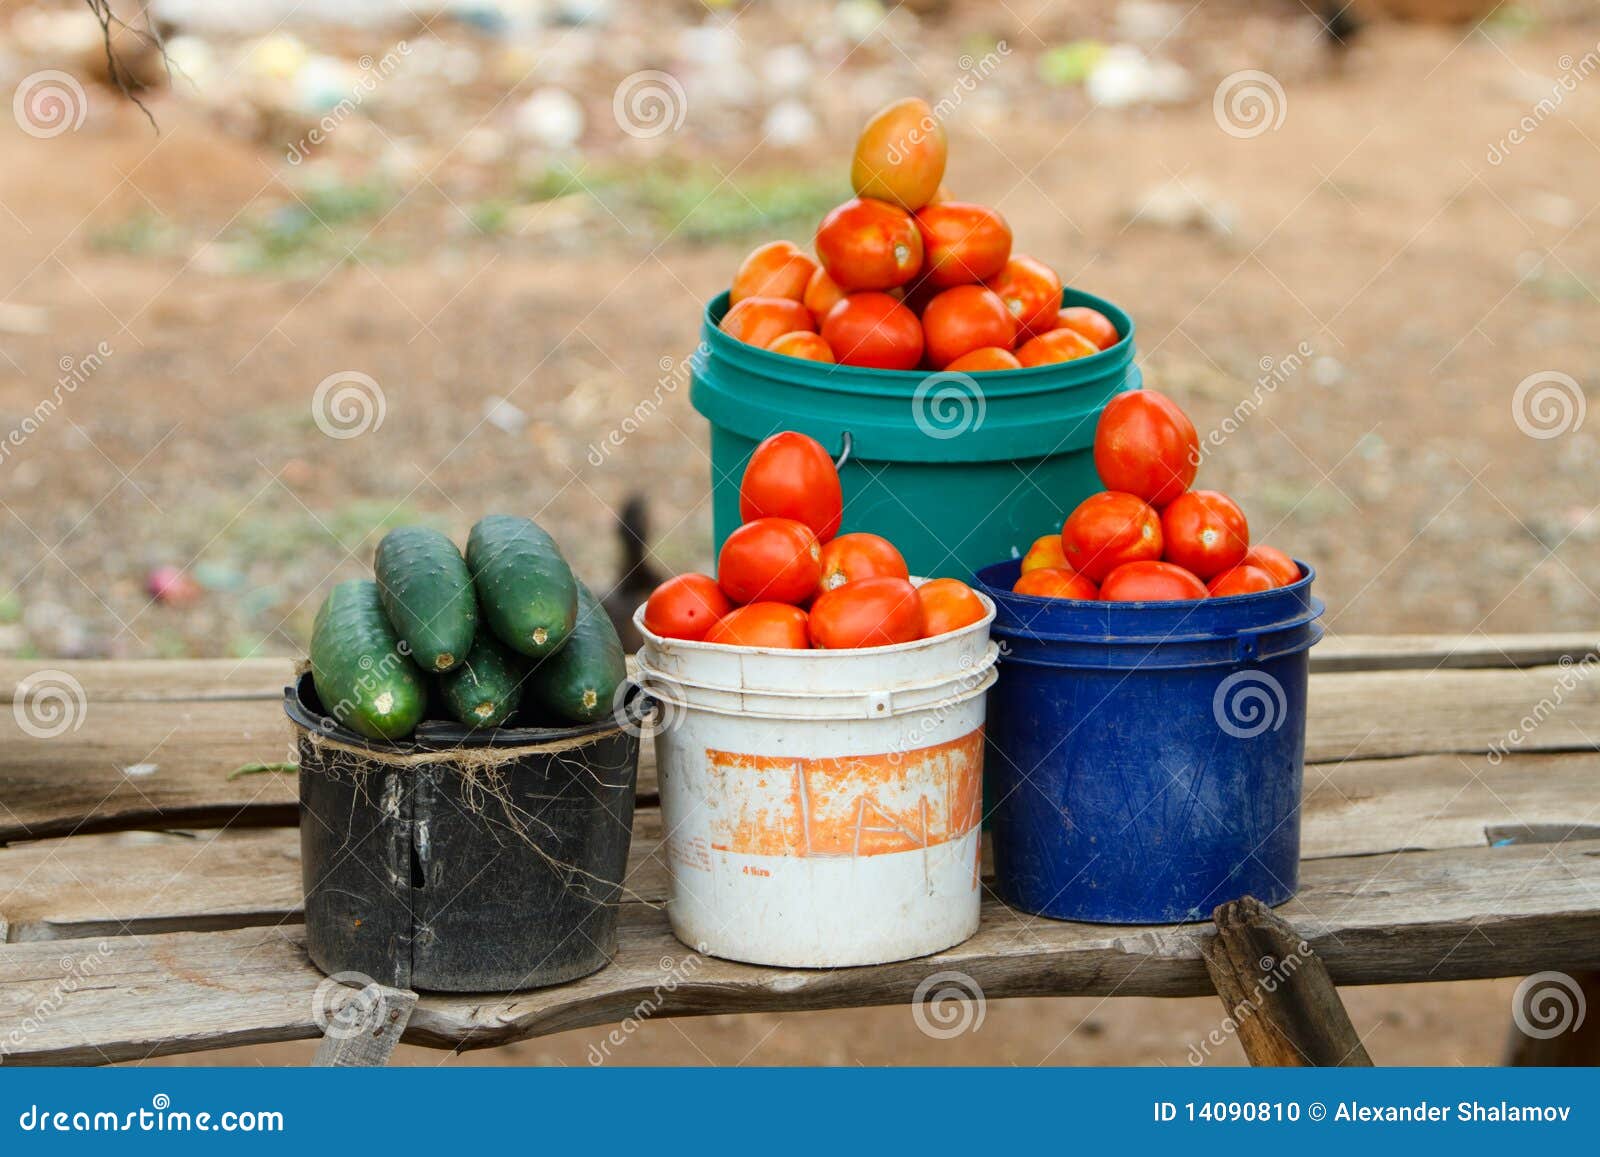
x: 1276, y: 991
x: 1417, y: 916
x: 1426, y: 652
x: 363, y: 1035
x: 157, y: 680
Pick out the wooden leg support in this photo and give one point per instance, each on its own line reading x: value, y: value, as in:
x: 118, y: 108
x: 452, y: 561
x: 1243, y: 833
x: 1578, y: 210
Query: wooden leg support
x: 364, y: 1030
x: 1277, y: 992
x: 1556, y: 1020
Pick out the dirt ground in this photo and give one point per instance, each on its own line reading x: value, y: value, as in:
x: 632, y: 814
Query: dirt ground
x: 1366, y: 273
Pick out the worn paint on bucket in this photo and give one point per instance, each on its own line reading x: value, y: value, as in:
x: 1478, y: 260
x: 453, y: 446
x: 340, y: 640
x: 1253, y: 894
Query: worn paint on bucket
x: 821, y: 828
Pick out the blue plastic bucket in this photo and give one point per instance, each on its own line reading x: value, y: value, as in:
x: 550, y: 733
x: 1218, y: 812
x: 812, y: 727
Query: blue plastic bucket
x: 954, y: 469
x: 1145, y: 759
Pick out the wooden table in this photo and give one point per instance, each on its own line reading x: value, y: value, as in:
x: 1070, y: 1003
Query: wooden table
x: 150, y: 899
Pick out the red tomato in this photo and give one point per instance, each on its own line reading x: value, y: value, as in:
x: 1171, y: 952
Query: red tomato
x: 770, y: 560
x: 790, y: 475
x: 870, y: 612
x: 801, y: 344
x: 873, y: 329
x: 984, y: 360
x: 685, y: 607
x: 1059, y: 345
x: 1053, y: 582
x: 963, y: 319
x: 1107, y: 530
x: 948, y: 605
x: 857, y: 556
x: 1205, y: 532
x: 822, y: 294
x: 962, y: 243
x: 1243, y: 579
x: 776, y: 269
x: 760, y: 321
x: 1150, y: 582
x: 1283, y: 569
x: 1045, y: 552
x: 865, y: 244
x: 1031, y: 291
x: 900, y: 154
x: 1091, y: 323
x: 762, y: 625
x: 1147, y: 446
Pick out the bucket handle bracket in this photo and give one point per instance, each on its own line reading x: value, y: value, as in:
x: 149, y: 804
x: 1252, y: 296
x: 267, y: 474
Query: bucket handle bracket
x: 1249, y: 648
x: 846, y: 443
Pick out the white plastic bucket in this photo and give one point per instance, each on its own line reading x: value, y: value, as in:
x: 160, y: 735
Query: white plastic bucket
x: 821, y: 808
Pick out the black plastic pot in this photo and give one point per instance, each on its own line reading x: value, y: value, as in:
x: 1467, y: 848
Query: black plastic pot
x: 459, y: 862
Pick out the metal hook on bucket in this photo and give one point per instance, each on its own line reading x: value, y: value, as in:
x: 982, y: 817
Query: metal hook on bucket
x: 846, y: 442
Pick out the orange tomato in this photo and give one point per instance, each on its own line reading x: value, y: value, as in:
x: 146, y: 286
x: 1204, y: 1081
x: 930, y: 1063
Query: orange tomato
x: 776, y: 269
x: 857, y: 556
x: 984, y: 360
x: 1031, y: 291
x: 822, y: 294
x: 762, y: 625
x: 900, y: 155
x: 873, y: 329
x: 1243, y: 579
x: 870, y: 612
x: 1283, y: 569
x: 685, y: 607
x: 790, y: 475
x: 948, y: 605
x: 1045, y: 552
x: 865, y: 244
x: 963, y: 319
x: 1205, y: 532
x: 800, y: 343
x: 1051, y: 582
x: 1150, y: 582
x: 962, y: 243
x: 1144, y: 444
x: 1091, y: 323
x: 760, y: 321
x: 1059, y: 345
x: 1107, y: 530
x: 770, y: 560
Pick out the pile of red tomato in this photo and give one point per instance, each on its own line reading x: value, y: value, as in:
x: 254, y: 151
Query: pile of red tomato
x: 1147, y: 536
x: 787, y: 578
x: 906, y: 277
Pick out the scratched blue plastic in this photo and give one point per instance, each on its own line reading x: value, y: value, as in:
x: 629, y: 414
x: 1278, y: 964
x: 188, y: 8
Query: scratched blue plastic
x: 1145, y: 759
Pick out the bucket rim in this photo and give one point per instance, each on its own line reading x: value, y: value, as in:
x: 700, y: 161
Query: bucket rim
x: 981, y: 680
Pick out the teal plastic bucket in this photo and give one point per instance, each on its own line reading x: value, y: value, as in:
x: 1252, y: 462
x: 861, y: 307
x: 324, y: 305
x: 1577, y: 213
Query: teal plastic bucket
x: 956, y: 470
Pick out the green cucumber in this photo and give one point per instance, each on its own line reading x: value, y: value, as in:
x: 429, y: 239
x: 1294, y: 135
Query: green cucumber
x: 486, y: 689
x: 526, y: 592
x: 427, y: 592
x: 360, y: 671
x: 580, y: 681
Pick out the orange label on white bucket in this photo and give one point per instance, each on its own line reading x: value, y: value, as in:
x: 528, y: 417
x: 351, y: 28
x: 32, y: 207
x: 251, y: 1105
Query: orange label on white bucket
x: 849, y: 805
